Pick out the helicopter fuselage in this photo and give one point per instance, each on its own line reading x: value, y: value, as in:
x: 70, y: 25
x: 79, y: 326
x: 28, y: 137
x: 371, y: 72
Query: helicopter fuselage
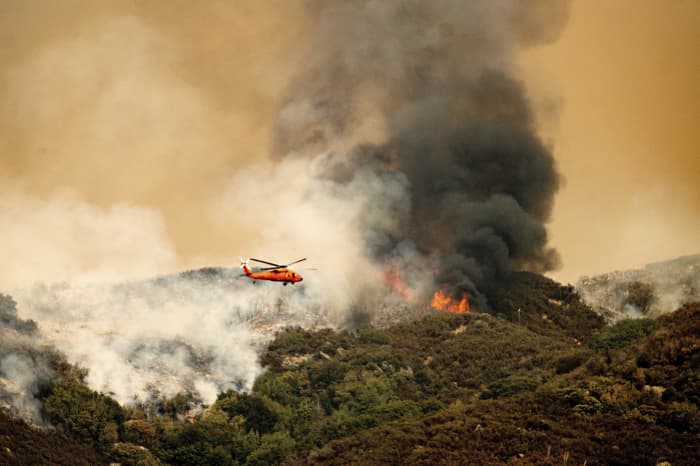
x: 284, y: 275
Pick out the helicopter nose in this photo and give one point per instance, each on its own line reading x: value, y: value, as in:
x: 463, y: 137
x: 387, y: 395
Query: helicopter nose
x: 301, y: 278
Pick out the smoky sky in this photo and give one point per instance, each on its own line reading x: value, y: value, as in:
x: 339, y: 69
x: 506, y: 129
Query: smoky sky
x: 617, y: 94
x: 122, y: 119
x: 438, y: 78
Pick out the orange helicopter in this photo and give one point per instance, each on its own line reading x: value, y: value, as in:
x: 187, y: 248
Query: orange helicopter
x: 274, y: 273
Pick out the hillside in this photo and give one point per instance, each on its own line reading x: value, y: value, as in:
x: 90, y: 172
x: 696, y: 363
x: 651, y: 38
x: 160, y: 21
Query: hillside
x: 542, y: 381
x: 653, y: 290
x: 21, y: 443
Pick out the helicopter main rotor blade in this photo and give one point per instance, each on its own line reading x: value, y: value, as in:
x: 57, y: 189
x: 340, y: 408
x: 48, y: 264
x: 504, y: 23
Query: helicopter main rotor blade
x: 268, y: 263
x: 270, y: 268
x: 296, y: 262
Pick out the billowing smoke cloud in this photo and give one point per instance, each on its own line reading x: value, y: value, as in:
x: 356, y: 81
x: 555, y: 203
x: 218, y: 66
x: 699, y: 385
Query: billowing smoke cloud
x: 144, y: 341
x: 427, y: 90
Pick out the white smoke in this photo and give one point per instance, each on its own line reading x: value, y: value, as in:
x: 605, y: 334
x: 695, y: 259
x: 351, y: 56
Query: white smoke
x: 666, y: 286
x: 146, y: 340
x: 65, y: 237
x: 18, y: 384
x: 199, y: 332
x: 296, y: 215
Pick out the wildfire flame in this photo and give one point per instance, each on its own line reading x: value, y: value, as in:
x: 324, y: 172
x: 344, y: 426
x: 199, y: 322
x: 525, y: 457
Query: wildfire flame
x: 393, y: 280
x: 442, y: 301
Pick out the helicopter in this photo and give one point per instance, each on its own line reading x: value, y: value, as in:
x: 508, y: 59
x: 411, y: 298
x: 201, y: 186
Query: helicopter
x: 274, y: 272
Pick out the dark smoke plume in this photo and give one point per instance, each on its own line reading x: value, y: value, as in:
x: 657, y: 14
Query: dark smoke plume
x: 428, y: 90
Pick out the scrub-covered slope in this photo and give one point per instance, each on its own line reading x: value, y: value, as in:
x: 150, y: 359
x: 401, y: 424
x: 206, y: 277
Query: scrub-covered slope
x: 541, y: 381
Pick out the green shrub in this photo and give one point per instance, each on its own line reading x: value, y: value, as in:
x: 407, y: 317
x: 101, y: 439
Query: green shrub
x: 214, y: 438
x: 139, y: 432
x: 511, y: 385
x: 8, y: 316
x: 623, y: 333
x: 375, y: 337
x: 569, y: 362
x: 395, y: 409
x: 430, y: 405
x: 258, y: 416
x: 682, y: 417
x: 131, y: 454
x: 273, y: 449
x: 85, y: 414
x: 323, y: 375
x: 177, y: 405
x: 283, y: 388
x: 589, y: 406
x: 640, y: 295
x: 291, y: 340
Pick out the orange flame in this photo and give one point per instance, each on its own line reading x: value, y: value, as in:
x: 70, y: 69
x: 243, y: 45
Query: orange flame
x: 444, y: 302
x: 393, y: 280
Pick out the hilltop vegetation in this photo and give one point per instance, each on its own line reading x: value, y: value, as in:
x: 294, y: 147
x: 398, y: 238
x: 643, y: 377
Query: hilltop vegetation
x: 653, y: 290
x: 540, y: 382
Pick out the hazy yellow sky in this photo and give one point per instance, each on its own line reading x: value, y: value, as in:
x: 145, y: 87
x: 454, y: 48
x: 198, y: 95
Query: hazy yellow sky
x: 156, y: 104
x: 619, y: 97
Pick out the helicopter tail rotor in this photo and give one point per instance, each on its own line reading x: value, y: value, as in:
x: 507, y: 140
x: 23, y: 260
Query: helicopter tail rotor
x: 244, y: 266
